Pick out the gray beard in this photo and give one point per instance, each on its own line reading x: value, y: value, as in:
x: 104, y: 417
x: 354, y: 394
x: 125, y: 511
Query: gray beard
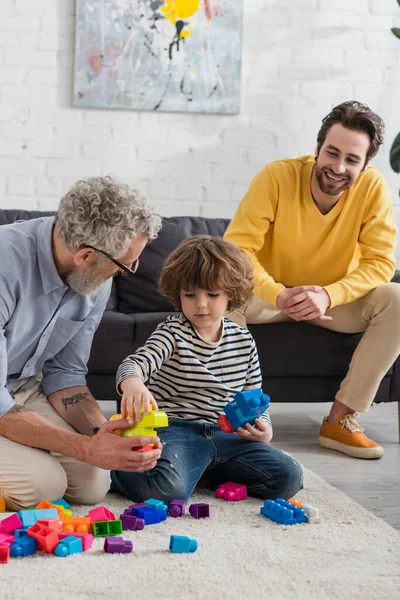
x: 84, y: 284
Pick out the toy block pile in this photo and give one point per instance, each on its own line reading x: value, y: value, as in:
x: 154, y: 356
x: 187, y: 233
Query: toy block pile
x: 50, y: 527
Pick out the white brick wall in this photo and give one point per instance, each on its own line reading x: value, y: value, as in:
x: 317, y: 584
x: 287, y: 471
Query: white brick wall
x: 300, y: 58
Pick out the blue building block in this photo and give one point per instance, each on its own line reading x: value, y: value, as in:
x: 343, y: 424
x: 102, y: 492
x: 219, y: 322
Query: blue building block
x: 157, y: 504
x: 25, y: 546
x: 68, y: 545
x: 283, y: 512
x: 27, y: 517
x: 246, y: 407
x: 182, y: 544
x: 150, y: 515
x: 30, y: 517
x: 20, y: 532
x: 61, y: 502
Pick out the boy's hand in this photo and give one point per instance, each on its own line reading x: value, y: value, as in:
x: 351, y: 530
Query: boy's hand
x: 135, y: 398
x: 259, y: 432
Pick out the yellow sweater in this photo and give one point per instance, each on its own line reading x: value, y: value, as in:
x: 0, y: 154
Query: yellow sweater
x: 348, y: 251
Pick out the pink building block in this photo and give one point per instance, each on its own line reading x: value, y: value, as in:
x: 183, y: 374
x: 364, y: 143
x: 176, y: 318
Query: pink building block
x: 10, y: 524
x: 100, y: 513
x: 87, y: 539
x: 6, y: 539
x: 231, y: 492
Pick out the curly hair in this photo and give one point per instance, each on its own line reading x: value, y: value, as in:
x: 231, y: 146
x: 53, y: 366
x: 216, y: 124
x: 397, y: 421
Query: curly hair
x: 358, y: 117
x: 106, y: 214
x: 207, y: 263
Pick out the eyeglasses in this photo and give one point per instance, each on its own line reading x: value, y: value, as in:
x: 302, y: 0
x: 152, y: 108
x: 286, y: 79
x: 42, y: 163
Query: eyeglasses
x: 124, y: 270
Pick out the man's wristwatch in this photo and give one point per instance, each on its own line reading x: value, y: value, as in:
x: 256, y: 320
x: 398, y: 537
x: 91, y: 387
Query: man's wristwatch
x: 95, y: 430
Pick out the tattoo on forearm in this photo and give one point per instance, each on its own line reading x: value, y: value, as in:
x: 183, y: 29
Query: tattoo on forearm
x: 17, y: 408
x: 75, y: 399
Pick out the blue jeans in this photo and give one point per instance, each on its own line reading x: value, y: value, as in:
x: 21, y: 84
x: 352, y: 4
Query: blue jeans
x: 193, y: 450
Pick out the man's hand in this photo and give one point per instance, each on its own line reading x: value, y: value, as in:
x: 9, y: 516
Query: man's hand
x: 259, y: 432
x: 107, y: 450
x: 135, y: 398
x: 304, y: 303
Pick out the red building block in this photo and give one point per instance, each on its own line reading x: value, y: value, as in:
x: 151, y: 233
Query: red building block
x: 4, y: 554
x: 46, y: 538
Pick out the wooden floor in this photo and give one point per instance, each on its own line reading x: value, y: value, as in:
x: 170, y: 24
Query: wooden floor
x: 375, y: 484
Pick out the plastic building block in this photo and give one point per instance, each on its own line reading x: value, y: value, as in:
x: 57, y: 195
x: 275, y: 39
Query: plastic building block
x: 6, y: 539
x: 54, y: 524
x: 312, y: 514
x: 76, y: 524
x: 296, y: 502
x: 46, y: 538
x: 157, y: 504
x: 69, y: 545
x: 176, y: 508
x: 4, y: 554
x: 27, y: 517
x: 182, y: 544
x: 23, y: 546
x: 45, y: 504
x: 132, y: 523
x: 2, y: 505
x: 283, y: 512
x: 100, y: 513
x: 199, y: 511
x: 106, y: 528
x: 20, y: 532
x: 61, y: 502
x: 150, y: 515
x: 117, y: 545
x: 231, y: 492
x: 10, y: 524
x: 87, y: 539
x: 146, y: 426
x: 246, y: 407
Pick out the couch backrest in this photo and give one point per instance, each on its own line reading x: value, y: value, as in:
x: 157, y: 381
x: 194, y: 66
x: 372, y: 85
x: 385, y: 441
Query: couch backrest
x: 139, y: 293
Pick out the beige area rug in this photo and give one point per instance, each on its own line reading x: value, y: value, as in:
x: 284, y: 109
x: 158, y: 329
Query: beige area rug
x: 241, y: 555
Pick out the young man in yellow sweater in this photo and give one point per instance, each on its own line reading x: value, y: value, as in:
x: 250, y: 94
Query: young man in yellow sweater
x: 321, y: 233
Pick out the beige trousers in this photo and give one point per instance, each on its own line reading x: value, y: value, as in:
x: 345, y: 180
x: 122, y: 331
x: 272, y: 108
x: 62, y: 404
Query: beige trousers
x: 377, y: 314
x: 29, y: 475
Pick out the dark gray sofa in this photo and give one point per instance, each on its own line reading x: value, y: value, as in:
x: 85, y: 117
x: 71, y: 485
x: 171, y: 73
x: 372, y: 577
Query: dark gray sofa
x: 299, y: 362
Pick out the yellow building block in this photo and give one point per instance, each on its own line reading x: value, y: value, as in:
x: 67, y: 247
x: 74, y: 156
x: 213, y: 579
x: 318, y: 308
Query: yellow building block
x: 2, y: 505
x: 154, y: 420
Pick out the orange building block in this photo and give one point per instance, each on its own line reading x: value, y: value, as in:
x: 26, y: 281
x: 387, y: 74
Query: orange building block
x: 46, y: 504
x: 295, y: 502
x: 78, y: 524
x: 2, y: 505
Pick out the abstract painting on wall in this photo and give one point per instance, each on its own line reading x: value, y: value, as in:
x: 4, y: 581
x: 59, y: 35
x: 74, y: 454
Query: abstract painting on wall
x: 169, y: 55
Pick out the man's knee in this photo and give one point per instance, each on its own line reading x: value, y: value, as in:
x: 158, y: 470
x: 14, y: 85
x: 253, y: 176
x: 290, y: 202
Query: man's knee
x: 89, y: 486
x: 388, y: 295
x: 35, y: 486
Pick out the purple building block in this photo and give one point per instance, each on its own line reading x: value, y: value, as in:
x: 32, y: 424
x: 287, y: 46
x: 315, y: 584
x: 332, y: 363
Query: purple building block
x: 131, y: 523
x: 117, y: 545
x: 199, y: 511
x: 176, y: 508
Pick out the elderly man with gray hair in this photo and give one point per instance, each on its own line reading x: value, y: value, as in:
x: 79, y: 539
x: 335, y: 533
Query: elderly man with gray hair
x: 55, y: 280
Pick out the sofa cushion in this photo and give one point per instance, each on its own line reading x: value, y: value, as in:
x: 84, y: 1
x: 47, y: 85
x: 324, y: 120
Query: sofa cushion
x: 301, y: 350
x: 138, y: 293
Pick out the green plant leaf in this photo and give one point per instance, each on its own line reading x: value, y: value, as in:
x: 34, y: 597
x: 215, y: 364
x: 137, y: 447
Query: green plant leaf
x: 396, y: 31
x: 395, y: 155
